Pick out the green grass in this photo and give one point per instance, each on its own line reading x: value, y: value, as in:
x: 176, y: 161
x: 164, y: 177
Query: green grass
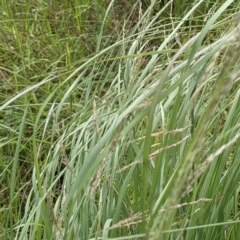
x: 119, y: 121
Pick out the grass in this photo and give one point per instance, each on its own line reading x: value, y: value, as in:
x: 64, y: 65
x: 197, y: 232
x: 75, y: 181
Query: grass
x: 119, y: 122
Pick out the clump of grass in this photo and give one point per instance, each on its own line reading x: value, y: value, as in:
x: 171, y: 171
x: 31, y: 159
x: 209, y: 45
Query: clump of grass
x: 134, y: 137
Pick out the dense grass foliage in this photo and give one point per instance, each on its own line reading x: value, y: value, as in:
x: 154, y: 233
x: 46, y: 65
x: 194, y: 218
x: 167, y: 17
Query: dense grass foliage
x: 119, y: 119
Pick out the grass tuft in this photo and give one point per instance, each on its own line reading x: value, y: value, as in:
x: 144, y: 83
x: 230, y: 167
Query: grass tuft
x: 119, y: 120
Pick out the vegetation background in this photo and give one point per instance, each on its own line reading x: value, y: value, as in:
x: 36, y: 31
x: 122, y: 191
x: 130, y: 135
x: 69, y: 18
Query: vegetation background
x: 119, y: 119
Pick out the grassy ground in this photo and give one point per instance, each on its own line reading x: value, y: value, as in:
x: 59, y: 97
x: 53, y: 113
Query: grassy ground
x: 119, y: 120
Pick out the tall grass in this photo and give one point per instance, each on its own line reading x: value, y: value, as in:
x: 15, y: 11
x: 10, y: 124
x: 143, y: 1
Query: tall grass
x: 129, y: 133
